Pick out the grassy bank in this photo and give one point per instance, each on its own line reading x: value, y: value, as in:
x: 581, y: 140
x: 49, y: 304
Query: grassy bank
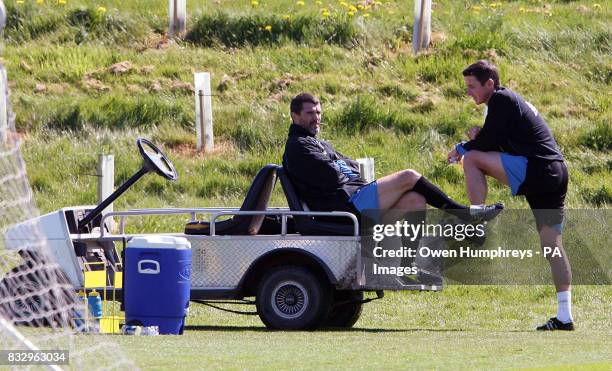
x: 73, y: 101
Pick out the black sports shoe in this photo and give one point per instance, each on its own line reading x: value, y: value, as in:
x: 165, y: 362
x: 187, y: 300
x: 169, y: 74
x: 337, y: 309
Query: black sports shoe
x: 554, y: 324
x: 485, y: 213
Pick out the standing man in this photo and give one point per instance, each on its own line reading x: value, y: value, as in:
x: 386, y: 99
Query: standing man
x: 516, y: 147
x: 329, y: 181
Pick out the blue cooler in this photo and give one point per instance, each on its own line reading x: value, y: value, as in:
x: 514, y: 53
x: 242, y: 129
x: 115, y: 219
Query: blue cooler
x: 157, y: 282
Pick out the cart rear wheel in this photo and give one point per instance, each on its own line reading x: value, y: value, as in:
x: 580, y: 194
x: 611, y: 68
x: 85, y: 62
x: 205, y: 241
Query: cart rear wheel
x: 292, y: 298
x: 345, y: 310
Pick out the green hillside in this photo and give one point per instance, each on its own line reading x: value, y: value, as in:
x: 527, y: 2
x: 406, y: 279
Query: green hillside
x: 91, y: 76
x: 72, y: 101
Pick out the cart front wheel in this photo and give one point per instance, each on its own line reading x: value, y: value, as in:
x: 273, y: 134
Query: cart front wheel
x: 292, y: 298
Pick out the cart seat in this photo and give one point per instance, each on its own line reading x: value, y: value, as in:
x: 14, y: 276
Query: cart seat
x: 257, y: 199
x: 308, y: 225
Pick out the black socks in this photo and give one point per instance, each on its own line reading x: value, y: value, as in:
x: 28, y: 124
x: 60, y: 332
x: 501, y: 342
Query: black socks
x: 435, y: 197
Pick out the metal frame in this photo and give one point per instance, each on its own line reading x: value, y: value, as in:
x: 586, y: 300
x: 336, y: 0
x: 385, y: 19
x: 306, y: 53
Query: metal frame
x: 215, y: 213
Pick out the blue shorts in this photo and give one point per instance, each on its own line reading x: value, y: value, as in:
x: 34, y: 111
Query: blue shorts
x: 516, y: 170
x: 366, y: 198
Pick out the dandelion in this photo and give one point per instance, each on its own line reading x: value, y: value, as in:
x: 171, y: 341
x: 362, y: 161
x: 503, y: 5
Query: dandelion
x: 268, y: 28
x: 597, y: 6
x: 286, y: 16
x: 319, y: 2
x: 19, y: 1
x: 254, y: 3
x: 101, y: 10
x: 365, y: 15
x: 360, y: 7
x: 300, y: 3
x: 61, y: 2
x: 352, y: 9
x: 344, y: 4
x: 40, y: 2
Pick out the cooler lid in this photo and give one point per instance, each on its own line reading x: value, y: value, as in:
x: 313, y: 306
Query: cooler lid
x: 159, y: 242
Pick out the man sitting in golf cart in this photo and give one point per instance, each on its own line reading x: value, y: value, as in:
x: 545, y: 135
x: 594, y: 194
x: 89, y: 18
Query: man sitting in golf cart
x: 329, y: 181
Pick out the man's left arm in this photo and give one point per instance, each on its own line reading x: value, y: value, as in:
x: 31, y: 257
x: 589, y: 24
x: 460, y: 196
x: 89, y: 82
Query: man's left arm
x: 349, y: 161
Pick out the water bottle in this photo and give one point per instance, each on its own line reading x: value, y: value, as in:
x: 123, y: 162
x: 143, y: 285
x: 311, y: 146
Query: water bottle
x: 95, y: 304
x: 140, y: 330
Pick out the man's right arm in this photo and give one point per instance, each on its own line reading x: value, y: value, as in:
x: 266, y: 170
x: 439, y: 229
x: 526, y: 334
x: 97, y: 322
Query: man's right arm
x: 311, y: 165
x: 490, y: 137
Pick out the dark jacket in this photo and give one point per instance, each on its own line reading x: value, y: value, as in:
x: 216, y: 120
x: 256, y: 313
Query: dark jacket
x: 514, y: 126
x: 323, y: 177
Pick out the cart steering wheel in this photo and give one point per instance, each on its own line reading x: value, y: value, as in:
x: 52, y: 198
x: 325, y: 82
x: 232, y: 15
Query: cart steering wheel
x: 155, y: 160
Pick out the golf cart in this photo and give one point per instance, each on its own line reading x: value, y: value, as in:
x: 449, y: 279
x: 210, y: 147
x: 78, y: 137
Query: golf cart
x: 305, y: 269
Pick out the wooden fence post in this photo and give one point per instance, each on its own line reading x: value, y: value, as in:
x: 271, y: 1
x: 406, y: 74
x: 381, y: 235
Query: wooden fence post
x: 421, y: 33
x: 177, y: 17
x: 204, y: 120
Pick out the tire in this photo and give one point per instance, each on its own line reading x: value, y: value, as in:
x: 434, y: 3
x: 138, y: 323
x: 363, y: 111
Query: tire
x: 33, y: 306
x: 26, y: 304
x: 344, y: 312
x: 292, y: 298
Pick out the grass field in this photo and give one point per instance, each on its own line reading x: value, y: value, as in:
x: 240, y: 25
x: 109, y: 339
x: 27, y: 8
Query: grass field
x: 379, y: 101
x: 462, y: 327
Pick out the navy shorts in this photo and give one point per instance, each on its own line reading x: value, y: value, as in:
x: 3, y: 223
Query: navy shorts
x: 545, y: 188
x: 365, y: 199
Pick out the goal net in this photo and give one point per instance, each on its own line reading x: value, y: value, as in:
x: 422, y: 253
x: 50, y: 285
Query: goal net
x: 39, y: 309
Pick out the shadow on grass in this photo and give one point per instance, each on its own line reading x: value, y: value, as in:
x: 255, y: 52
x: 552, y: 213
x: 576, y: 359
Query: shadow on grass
x: 331, y: 329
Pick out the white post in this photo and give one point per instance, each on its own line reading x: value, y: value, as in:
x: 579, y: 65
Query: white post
x: 4, y: 120
x: 421, y: 33
x: 366, y: 168
x: 177, y: 15
x: 3, y: 107
x: 106, y: 181
x: 204, y: 121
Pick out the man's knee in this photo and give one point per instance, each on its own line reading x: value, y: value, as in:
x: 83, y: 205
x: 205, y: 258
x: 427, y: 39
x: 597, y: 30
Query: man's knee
x: 409, y: 177
x: 473, y: 159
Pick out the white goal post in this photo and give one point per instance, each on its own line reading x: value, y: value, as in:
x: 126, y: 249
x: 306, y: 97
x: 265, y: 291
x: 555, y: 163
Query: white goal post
x: 39, y: 308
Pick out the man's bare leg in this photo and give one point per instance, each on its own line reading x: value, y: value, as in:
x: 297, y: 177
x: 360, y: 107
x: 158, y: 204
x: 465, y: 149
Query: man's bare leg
x: 562, y: 277
x: 409, y: 201
x: 412, y: 208
x: 559, y: 266
x: 476, y: 165
x: 391, y: 188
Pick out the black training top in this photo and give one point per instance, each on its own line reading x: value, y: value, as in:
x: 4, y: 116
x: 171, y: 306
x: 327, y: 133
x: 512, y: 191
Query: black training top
x: 514, y: 126
x: 323, y: 177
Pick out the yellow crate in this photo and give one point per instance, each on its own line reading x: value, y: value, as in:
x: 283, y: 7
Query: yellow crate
x: 118, y: 280
x: 95, y: 279
x: 111, y: 324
